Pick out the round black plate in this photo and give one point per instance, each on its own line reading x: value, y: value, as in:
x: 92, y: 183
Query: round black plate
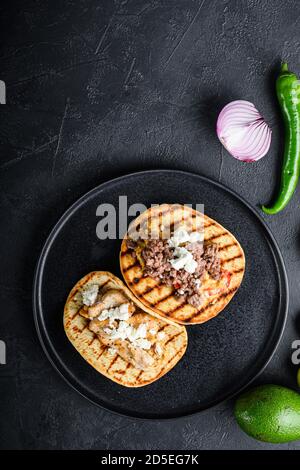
x: 223, y: 355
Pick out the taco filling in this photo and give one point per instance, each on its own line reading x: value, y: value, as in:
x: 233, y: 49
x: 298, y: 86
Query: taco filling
x: 183, y: 261
x: 122, y: 326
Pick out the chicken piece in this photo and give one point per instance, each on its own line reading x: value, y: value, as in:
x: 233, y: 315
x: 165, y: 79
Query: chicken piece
x: 138, y: 357
x: 158, y: 348
x: 110, y: 299
x: 96, y: 326
x: 140, y: 317
x: 84, y: 312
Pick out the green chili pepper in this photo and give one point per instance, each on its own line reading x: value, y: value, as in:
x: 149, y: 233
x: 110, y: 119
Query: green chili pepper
x: 288, y: 94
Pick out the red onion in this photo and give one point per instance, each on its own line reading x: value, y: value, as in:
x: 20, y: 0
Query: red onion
x: 243, y: 131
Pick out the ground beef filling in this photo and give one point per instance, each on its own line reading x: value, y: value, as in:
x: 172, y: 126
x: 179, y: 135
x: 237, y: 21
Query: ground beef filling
x: 156, y: 256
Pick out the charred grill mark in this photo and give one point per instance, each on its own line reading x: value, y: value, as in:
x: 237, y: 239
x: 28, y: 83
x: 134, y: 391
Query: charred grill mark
x: 127, y: 251
x: 139, y: 375
x: 79, y: 312
x: 189, y: 218
x: 101, y: 352
x: 104, y: 284
x: 74, y: 293
x: 231, y: 259
x: 172, y: 224
x: 123, y: 371
x: 237, y: 271
x: 154, y: 304
x: 229, y: 292
x: 133, y: 228
x: 214, y: 223
x: 149, y: 289
x: 172, y: 338
x: 210, y: 304
x: 179, y: 307
x: 84, y: 328
x: 182, y: 220
x: 215, y: 237
x: 226, y: 247
x: 160, y: 217
x: 162, y: 328
x: 112, y: 362
x: 90, y: 343
x: 135, y: 264
x: 166, y: 211
x: 172, y: 359
x: 210, y: 223
x: 75, y: 315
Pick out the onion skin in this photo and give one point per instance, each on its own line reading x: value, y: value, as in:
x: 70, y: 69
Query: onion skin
x: 243, y: 131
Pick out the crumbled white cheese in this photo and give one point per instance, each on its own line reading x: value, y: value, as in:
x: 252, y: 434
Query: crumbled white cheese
x: 111, y: 351
x: 181, y: 256
x: 183, y: 259
x: 136, y: 333
x: 119, y: 332
x: 158, y: 349
x: 197, y: 283
x: 191, y: 266
x: 117, y: 313
x: 137, y: 336
x: 152, y: 331
x: 142, y: 343
x: 196, y: 237
x: 161, y: 335
x: 181, y: 236
x: 89, y: 294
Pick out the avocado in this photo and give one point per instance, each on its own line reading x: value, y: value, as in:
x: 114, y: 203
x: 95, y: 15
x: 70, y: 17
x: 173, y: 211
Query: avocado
x: 269, y: 413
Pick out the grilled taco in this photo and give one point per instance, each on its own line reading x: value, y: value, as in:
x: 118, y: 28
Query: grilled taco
x: 181, y: 264
x: 117, y: 335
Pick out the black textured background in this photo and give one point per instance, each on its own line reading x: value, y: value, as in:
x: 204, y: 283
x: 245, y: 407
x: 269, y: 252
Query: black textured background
x: 96, y: 89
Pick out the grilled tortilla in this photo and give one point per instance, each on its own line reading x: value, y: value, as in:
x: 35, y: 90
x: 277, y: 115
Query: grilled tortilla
x: 161, y: 298
x: 99, y: 355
